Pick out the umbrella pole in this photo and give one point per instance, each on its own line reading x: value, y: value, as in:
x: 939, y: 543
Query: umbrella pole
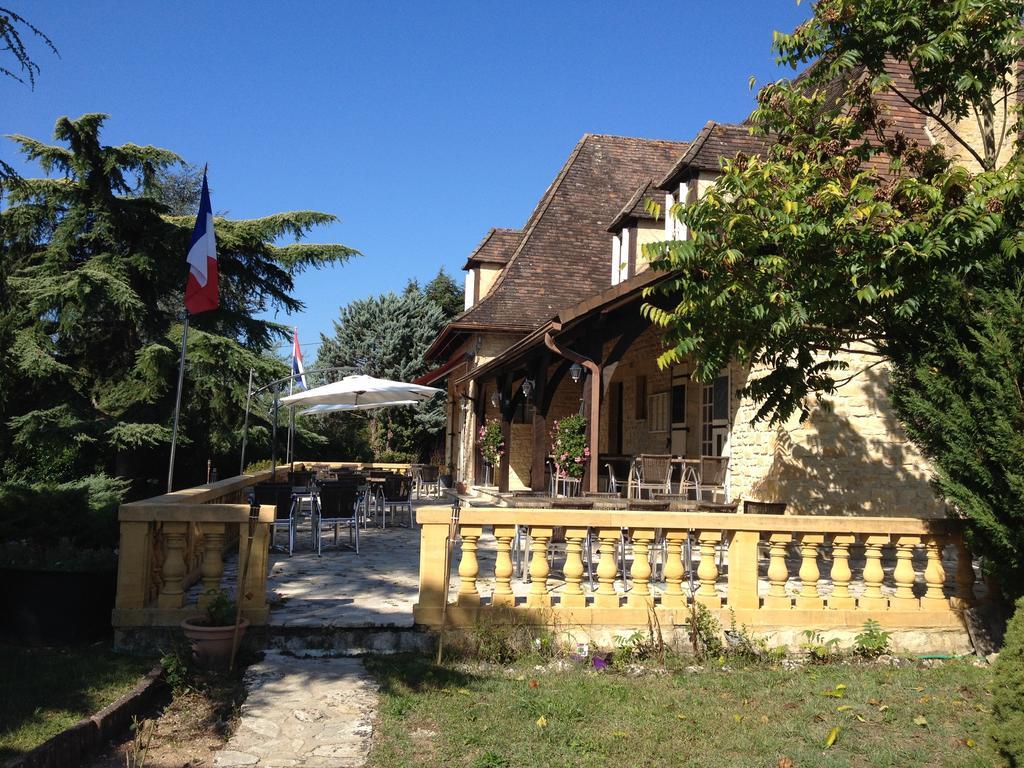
x: 245, y: 428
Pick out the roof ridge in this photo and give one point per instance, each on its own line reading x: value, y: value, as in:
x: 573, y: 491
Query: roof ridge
x: 531, y: 223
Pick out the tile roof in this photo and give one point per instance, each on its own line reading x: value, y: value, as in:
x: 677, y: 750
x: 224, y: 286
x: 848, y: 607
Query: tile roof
x: 636, y: 206
x: 713, y: 142
x: 565, y: 251
x: 497, y: 247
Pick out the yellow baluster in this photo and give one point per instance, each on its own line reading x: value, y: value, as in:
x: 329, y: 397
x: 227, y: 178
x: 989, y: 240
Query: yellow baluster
x: 934, y: 577
x: 809, y: 574
x: 904, y: 574
x: 172, y: 593
x: 841, y: 599
x: 503, y: 535
x: 707, y: 571
x: 469, y: 567
x: 778, y: 571
x: 539, y: 597
x: 873, y: 599
x: 640, y: 594
x: 572, y: 595
x: 213, y: 562
x: 673, y: 596
x: 607, y: 568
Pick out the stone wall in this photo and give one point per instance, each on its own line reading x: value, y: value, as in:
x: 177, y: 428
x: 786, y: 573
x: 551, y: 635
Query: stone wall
x: 850, y: 457
x: 969, y: 130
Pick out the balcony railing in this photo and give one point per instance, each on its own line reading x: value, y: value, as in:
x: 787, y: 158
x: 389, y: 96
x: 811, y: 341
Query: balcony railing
x: 770, y: 570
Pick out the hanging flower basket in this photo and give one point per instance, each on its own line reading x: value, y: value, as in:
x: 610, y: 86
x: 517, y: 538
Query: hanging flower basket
x: 569, y: 446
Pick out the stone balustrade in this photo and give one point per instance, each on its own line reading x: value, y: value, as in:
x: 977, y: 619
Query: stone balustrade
x: 170, y: 542
x: 173, y: 541
x: 769, y: 571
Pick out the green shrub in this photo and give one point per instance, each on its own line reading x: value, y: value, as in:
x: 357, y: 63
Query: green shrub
x: 1007, y: 730
x: 705, y: 632
x: 82, y: 514
x: 820, y: 650
x: 872, y: 641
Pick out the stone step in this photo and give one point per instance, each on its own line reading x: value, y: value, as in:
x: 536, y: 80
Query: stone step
x: 336, y: 642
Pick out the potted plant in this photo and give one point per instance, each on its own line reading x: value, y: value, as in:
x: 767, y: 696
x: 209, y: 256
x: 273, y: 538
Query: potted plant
x: 569, y: 447
x: 214, y: 634
x: 492, y: 445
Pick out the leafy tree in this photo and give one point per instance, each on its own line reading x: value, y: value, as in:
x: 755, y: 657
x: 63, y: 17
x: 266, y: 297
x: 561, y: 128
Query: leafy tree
x: 386, y: 336
x: 96, y: 274
x: 847, y: 234
x: 446, y: 293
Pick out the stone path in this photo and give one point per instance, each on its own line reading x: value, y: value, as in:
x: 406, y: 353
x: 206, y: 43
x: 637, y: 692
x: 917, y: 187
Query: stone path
x: 303, y: 712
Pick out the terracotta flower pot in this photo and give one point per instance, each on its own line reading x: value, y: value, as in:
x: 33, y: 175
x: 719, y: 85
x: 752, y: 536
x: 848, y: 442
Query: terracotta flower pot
x: 211, y: 646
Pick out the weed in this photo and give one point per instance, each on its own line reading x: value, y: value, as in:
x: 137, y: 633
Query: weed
x: 744, y: 644
x: 178, y: 668
x: 135, y: 755
x: 705, y: 632
x: 820, y: 650
x: 872, y: 641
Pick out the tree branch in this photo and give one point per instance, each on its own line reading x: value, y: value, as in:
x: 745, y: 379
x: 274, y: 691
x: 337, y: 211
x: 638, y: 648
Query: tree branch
x: 929, y: 113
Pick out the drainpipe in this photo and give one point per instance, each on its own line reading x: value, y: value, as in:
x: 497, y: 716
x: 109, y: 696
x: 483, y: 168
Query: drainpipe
x: 595, y: 401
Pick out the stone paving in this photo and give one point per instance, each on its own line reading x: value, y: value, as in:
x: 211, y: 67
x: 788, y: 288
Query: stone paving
x: 303, y: 712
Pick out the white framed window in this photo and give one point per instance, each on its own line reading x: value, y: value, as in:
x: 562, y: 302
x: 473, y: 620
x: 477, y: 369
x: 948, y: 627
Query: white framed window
x: 714, y: 412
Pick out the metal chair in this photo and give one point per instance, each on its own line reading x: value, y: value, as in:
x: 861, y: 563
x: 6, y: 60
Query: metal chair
x: 336, y: 505
x: 653, y: 473
x: 395, y: 492
x: 429, y: 480
x: 614, y: 484
x: 712, y: 476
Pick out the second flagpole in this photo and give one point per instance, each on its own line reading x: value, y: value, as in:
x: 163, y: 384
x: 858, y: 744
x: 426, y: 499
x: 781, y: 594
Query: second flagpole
x: 177, y: 405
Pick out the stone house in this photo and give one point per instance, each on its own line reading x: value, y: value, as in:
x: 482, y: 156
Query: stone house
x: 563, y: 295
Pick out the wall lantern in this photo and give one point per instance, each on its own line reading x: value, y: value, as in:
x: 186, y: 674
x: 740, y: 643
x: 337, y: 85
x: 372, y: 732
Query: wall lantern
x: 527, y: 388
x: 495, y: 398
x: 575, y: 371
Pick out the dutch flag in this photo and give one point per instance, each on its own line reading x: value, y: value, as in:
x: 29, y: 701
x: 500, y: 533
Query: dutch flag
x: 201, y: 288
x: 298, y: 370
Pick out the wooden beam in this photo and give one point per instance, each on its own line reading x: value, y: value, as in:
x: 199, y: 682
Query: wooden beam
x: 540, y: 419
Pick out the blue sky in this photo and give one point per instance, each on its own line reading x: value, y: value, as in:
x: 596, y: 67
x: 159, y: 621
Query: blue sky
x: 420, y: 125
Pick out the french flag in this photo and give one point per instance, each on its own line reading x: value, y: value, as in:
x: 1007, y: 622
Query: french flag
x: 201, y: 288
x: 298, y: 370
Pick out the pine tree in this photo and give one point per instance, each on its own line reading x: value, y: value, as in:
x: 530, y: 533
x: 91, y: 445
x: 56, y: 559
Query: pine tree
x: 96, y: 273
x: 386, y: 336
x: 446, y: 293
x: 961, y: 402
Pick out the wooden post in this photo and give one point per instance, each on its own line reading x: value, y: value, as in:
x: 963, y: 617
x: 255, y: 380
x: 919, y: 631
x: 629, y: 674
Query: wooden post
x: 540, y: 425
x: 506, y: 433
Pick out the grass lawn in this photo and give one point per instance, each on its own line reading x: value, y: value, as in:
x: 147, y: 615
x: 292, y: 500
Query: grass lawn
x: 45, y: 690
x: 490, y: 717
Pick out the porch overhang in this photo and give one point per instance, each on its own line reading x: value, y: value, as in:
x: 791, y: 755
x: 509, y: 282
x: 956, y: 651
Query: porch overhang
x: 607, y: 301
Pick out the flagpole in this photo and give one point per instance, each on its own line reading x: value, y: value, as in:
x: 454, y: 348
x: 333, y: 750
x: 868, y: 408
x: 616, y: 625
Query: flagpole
x: 291, y: 410
x: 245, y: 429
x: 177, y: 405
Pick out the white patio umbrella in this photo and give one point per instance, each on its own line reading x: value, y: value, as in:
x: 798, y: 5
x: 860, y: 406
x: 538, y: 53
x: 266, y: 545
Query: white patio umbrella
x: 317, y: 410
x: 362, y: 390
